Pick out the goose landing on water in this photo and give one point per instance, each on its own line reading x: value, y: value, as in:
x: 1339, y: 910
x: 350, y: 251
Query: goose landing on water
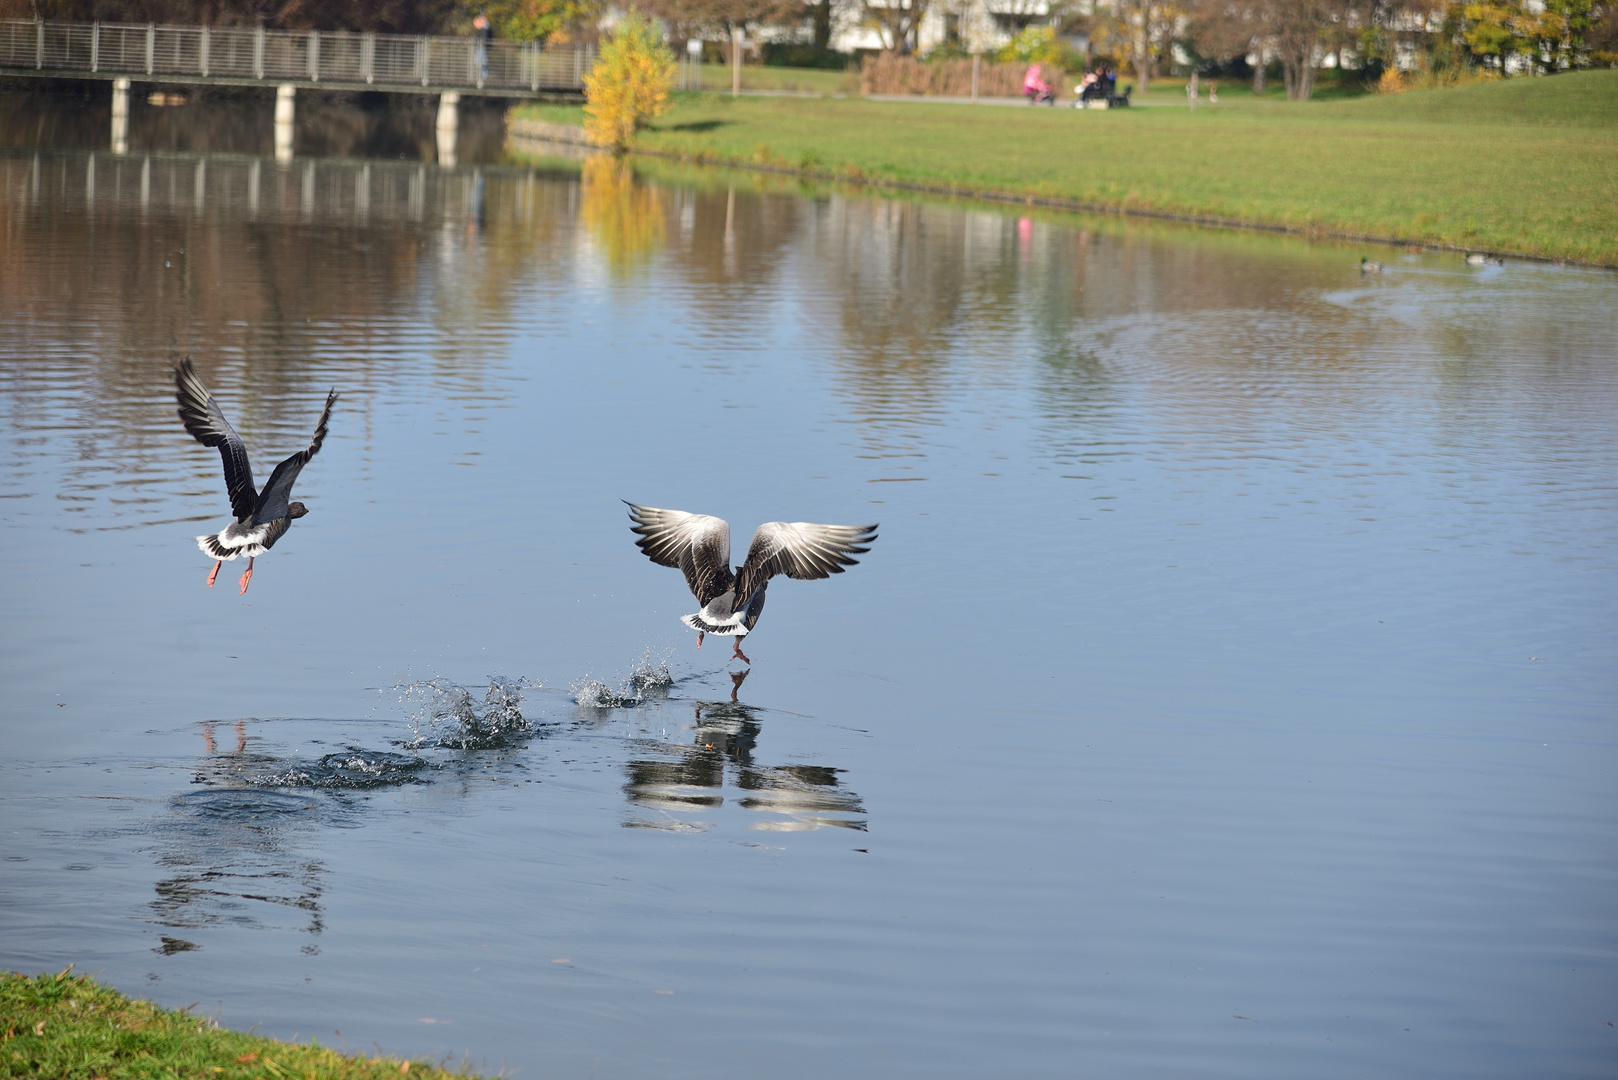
x: 262, y: 517
x: 699, y: 546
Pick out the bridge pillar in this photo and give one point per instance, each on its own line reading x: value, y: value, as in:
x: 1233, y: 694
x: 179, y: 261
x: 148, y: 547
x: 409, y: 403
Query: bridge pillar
x: 449, y: 122
x: 120, y: 116
x: 285, y: 98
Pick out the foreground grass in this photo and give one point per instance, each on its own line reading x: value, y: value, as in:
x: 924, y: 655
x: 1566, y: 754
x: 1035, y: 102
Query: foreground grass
x: 68, y: 1027
x: 1523, y: 166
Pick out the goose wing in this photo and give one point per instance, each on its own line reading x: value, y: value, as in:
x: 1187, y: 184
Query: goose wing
x: 799, y: 550
x: 202, y: 418
x: 698, y: 545
x: 277, y: 494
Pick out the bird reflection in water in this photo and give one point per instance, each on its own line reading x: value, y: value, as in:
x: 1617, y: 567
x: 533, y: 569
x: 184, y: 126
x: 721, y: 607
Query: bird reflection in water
x: 797, y: 797
x: 226, y: 857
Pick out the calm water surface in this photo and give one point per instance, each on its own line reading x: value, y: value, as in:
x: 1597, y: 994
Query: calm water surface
x: 1230, y: 693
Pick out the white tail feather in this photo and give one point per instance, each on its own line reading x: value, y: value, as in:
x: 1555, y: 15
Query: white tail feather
x: 731, y: 627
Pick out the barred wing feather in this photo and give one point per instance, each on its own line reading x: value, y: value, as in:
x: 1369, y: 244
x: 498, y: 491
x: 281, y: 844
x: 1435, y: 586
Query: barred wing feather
x: 800, y: 550
x: 698, y: 545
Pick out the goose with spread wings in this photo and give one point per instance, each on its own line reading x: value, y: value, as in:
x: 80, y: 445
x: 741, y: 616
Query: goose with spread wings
x: 699, y: 546
x: 262, y: 517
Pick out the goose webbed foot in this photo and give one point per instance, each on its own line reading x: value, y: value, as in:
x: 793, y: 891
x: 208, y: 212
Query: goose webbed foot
x: 738, y: 654
x: 215, y: 571
x: 700, y: 635
x: 247, y: 575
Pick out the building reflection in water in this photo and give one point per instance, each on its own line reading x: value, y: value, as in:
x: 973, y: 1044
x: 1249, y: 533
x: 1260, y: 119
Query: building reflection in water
x: 695, y: 778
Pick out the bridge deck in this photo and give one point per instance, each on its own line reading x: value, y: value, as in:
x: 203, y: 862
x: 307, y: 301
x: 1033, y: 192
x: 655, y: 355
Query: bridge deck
x: 313, y: 59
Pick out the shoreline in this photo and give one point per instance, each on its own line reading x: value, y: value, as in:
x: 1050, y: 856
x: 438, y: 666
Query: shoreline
x: 572, y: 137
x: 74, y: 1025
x: 1394, y: 171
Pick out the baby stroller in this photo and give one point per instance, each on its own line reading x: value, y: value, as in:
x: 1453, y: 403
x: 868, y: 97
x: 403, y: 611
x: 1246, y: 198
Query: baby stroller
x: 1036, y: 89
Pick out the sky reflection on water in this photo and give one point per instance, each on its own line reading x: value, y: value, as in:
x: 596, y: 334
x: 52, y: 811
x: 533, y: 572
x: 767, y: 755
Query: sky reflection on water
x: 1230, y: 691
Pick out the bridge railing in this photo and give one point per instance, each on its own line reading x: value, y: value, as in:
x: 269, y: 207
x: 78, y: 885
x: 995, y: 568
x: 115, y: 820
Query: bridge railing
x: 386, y: 61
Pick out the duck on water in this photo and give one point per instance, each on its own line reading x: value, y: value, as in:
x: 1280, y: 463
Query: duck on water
x: 698, y: 545
x: 262, y: 517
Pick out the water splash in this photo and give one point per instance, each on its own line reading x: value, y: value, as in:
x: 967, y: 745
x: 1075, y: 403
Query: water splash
x: 591, y: 693
x: 353, y: 769
x: 440, y: 704
x: 652, y: 678
x: 649, y: 679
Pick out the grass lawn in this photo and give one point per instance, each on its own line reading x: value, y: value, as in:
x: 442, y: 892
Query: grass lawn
x: 1523, y: 166
x: 67, y: 1027
x: 800, y: 80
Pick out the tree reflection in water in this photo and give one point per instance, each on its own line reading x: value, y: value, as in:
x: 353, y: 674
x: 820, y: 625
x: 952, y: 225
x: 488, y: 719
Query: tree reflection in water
x: 623, y: 215
x: 694, y: 777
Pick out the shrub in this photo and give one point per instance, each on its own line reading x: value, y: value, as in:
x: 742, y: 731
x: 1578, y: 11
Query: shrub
x: 629, y: 83
x: 886, y: 73
x: 1039, y: 45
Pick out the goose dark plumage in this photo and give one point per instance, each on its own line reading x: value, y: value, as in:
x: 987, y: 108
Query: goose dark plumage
x: 262, y: 517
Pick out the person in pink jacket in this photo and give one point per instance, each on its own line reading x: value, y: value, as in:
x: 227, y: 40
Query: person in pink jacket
x: 1035, y: 88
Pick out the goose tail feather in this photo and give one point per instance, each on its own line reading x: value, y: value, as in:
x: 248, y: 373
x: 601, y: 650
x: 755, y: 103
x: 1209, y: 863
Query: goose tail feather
x: 732, y: 627
x: 212, y: 548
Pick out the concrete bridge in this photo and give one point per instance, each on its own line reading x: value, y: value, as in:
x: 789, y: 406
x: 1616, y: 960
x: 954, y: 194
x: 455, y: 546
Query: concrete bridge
x: 289, y: 60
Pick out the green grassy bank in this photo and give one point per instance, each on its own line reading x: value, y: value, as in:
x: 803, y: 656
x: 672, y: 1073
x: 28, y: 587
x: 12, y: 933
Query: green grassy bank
x: 68, y: 1027
x: 1521, y: 167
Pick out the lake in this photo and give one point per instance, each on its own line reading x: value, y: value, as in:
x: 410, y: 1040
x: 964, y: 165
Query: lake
x: 1230, y: 691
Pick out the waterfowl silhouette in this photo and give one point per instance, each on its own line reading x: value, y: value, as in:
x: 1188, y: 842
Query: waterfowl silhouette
x: 699, y: 546
x: 1474, y: 258
x: 262, y: 517
x: 1370, y: 266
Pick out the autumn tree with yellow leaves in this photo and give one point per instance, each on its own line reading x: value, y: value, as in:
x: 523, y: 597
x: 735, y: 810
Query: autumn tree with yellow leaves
x: 629, y: 83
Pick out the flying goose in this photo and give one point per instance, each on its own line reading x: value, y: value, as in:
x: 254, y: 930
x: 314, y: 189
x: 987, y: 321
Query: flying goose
x: 262, y: 517
x: 699, y: 546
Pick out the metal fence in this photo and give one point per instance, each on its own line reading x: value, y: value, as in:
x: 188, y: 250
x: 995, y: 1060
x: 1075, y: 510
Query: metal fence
x: 384, y: 61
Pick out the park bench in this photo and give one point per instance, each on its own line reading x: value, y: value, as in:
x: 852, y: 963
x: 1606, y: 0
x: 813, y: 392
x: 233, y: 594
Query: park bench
x: 1096, y: 96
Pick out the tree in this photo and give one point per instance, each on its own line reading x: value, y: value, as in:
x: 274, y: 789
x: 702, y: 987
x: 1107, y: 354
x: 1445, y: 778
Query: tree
x: 1291, y: 30
x: 1142, y: 32
x: 538, y: 20
x: 379, y: 16
x: 1603, y: 37
x: 895, y: 22
x: 718, y: 20
x: 1295, y: 27
x: 629, y: 83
